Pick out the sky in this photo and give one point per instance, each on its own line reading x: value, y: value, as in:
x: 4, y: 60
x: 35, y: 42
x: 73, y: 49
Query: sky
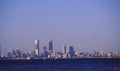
x: 88, y: 25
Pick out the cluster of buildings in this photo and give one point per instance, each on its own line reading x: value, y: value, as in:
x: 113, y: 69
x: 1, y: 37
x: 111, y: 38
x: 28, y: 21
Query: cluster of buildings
x: 66, y: 52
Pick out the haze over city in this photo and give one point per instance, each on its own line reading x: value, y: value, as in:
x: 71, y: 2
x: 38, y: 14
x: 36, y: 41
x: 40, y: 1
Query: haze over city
x: 88, y: 25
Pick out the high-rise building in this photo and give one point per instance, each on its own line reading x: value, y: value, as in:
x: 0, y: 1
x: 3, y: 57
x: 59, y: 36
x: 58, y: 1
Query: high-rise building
x: 63, y: 49
x: 11, y: 53
x: 71, y: 51
x: 44, y: 52
x: 36, y: 47
x: 44, y: 48
x: 51, y: 46
x: 17, y: 52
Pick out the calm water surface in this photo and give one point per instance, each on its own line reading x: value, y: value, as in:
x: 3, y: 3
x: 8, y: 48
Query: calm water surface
x: 61, y: 65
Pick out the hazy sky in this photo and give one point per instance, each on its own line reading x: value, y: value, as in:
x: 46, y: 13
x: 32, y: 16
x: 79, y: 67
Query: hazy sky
x: 86, y: 24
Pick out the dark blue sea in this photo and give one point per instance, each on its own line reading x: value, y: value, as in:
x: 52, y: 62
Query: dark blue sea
x: 83, y: 64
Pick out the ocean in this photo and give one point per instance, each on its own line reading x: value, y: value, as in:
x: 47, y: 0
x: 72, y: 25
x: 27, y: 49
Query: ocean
x: 82, y: 64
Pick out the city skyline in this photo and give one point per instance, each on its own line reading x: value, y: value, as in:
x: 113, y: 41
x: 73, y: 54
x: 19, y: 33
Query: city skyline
x: 67, y: 52
x: 88, y: 25
x: 65, y: 49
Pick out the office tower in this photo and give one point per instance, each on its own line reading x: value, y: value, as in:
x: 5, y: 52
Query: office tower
x: 63, y: 49
x: 51, y: 46
x: 17, y: 52
x: 71, y: 51
x: 36, y: 47
x: 11, y: 53
x: 44, y: 51
x: 44, y: 48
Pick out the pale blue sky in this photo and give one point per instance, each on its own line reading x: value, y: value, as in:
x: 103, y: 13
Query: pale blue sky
x: 86, y: 24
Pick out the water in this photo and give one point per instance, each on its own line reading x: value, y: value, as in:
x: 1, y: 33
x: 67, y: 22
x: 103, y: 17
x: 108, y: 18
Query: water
x: 61, y: 65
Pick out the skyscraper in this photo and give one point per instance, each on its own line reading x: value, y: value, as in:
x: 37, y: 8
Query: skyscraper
x: 44, y: 51
x: 71, y: 51
x: 51, y: 46
x: 36, y: 47
x: 63, y: 49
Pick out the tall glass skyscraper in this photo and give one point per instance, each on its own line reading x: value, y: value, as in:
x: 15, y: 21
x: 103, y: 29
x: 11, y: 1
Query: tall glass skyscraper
x: 63, y: 49
x: 71, y: 50
x: 36, y: 47
x: 50, y: 46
